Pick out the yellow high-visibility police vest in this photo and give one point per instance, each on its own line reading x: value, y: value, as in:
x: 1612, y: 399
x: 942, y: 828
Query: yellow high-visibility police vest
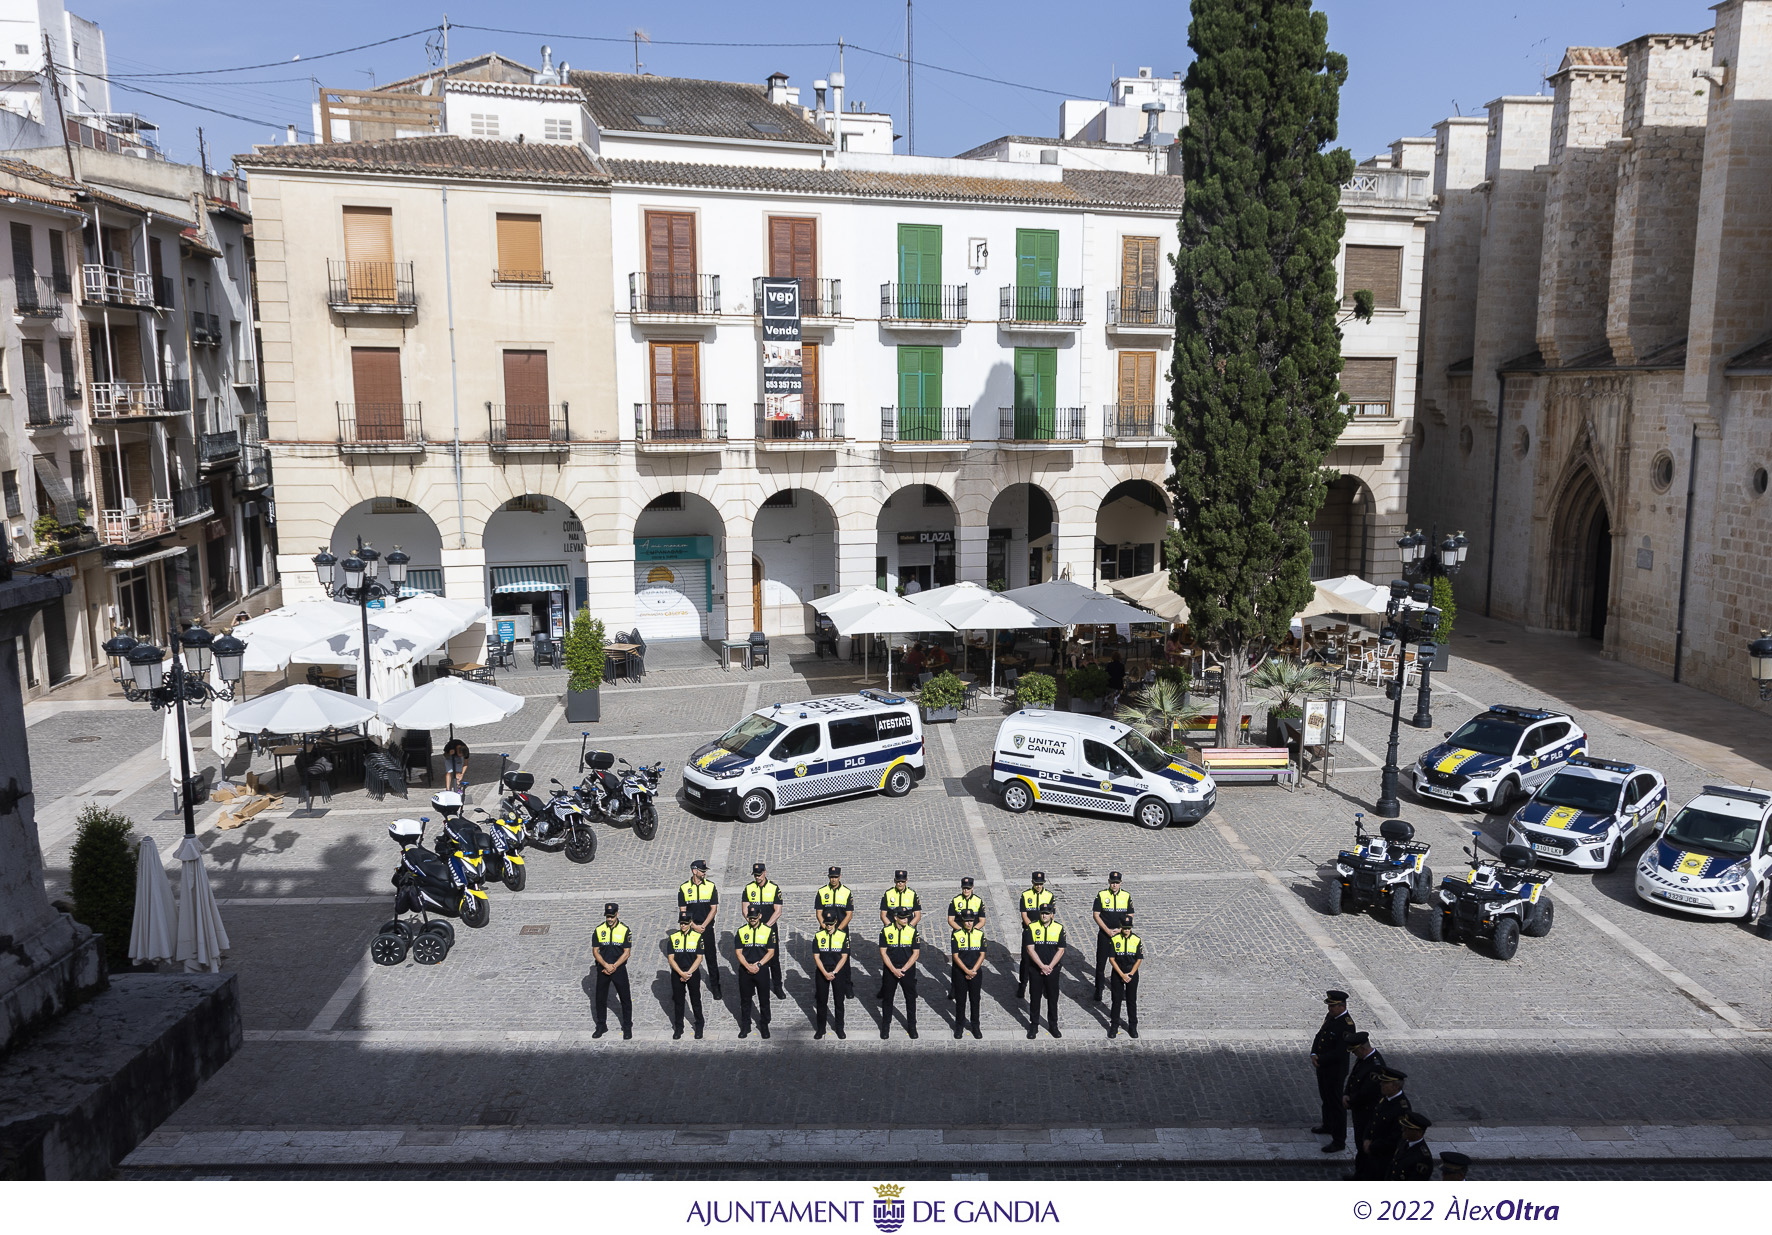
x: 1041, y: 932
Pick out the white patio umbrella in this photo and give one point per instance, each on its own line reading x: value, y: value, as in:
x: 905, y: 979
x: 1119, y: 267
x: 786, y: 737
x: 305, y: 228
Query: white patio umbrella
x: 169, y: 745
x: 852, y: 600
x: 300, y: 709
x: 1325, y: 601
x: 152, y: 933
x: 1152, y: 592
x: 890, y: 615
x: 971, y: 607
x: 201, y: 936
x: 450, y: 701
x: 1370, y: 597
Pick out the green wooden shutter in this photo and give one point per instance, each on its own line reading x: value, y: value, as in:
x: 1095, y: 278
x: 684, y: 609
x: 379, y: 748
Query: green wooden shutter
x: 919, y: 394
x: 1036, y: 388
x: 919, y: 270
x: 1036, y: 275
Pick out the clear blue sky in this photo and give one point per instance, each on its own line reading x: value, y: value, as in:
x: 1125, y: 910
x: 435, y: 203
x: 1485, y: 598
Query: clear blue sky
x: 1411, y: 61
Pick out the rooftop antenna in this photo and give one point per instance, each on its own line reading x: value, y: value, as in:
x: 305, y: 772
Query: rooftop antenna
x: 910, y: 87
x: 640, y: 36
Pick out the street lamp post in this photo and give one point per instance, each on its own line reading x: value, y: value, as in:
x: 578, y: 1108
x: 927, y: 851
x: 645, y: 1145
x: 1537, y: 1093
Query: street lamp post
x: 354, y: 580
x: 148, y: 680
x: 1431, y: 558
x: 1759, y: 664
x: 1408, y: 624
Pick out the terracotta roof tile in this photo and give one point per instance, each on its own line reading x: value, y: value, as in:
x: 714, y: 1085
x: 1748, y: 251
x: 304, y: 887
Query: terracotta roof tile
x: 688, y: 105
x: 468, y: 158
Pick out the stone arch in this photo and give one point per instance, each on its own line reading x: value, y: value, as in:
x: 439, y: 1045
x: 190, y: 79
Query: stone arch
x: 387, y: 523
x: 926, y: 513
x: 1131, y: 523
x: 1579, y: 579
x: 688, y: 573
x: 532, y: 546
x: 1028, y: 512
x: 794, y: 540
x: 1344, y: 535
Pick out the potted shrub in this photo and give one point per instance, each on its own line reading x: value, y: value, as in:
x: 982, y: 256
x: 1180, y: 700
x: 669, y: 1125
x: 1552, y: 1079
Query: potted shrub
x: 584, y: 668
x: 1163, y: 712
x: 1088, y: 686
x: 1290, y: 683
x: 1447, y: 604
x: 941, y: 697
x: 101, y: 879
x: 1036, y: 690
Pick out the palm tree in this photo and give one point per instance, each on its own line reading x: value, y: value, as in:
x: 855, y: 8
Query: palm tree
x: 1290, y: 683
x: 1161, y: 709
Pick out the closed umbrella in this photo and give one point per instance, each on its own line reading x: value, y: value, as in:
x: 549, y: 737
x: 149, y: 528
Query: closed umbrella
x: 169, y: 745
x: 201, y: 936
x: 1152, y: 591
x: 889, y: 615
x: 152, y: 933
x: 300, y: 709
x: 450, y: 701
x: 222, y: 736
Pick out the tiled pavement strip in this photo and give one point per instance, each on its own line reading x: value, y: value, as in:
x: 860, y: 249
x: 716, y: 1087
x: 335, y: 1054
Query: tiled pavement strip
x: 1617, y: 1025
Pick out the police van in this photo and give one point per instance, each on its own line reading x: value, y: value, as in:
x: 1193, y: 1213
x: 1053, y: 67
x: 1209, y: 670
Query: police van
x: 1095, y: 764
x: 789, y: 754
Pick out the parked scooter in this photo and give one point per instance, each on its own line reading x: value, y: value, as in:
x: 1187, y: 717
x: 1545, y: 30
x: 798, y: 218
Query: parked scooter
x: 496, y: 844
x: 626, y: 797
x: 558, y: 821
x: 426, y: 882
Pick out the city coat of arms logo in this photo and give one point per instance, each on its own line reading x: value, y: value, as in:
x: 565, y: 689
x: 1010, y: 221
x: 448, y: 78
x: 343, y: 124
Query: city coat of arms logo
x: 1018, y: 741
x: 888, y: 1207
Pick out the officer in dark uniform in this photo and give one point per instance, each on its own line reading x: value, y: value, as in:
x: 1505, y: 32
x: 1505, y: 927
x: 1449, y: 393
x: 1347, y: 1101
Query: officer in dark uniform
x: 1413, y: 1161
x: 614, y: 944
x: 1031, y: 899
x: 899, y: 950
x: 685, y: 961
x: 1125, y: 959
x: 834, y: 895
x: 1329, y: 1060
x: 899, y: 894
x: 762, y: 891
x: 1045, y: 948
x: 1360, y: 1094
x: 1385, y: 1133
x: 830, y: 967
x: 967, y: 902
x: 1454, y: 1166
x: 753, y: 947
x: 702, y: 899
x: 1112, y: 904
x: 968, y: 967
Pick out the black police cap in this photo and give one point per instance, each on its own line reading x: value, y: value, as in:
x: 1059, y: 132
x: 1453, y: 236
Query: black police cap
x: 610, y: 909
x: 757, y: 868
x: 752, y: 909
x: 1417, y: 1122
x: 1335, y: 997
x: 1113, y: 876
x: 901, y: 911
x: 698, y: 865
x: 1455, y: 1159
x: 1393, y: 1074
x: 898, y: 876
x: 1039, y: 876
x: 966, y: 882
x: 836, y: 871
x: 1359, y: 1039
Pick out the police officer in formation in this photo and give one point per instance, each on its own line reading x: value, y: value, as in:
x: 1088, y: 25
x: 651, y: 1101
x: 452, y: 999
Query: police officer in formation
x: 964, y: 902
x: 1360, y: 1094
x: 685, y: 959
x: 614, y: 944
x: 899, y: 950
x: 831, y: 973
x: 968, y: 967
x: 1033, y: 898
x: 1112, y: 904
x: 754, y: 947
x: 835, y: 895
x: 1329, y: 1059
x: 762, y: 892
x: 702, y: 901
x: 1413, y: 1160
x: 1044, y: 946
x: 1384, y: 1135
x: 1125, y: 957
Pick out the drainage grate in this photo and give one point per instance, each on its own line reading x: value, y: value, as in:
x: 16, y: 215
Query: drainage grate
x: 1495, y: 641
x: 494, y: 1116
x: 106, y: 793
x: 534, y: 930
x: 85, y: 737
x: 1081, y: 872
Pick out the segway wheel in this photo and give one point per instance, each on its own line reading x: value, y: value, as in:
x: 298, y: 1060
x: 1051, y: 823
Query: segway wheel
x: 388, y: 948
x: 429, y: 948
x: 516, y: 875
x: 437, y: 926
x: 396, y: 927
x: 476, y: 911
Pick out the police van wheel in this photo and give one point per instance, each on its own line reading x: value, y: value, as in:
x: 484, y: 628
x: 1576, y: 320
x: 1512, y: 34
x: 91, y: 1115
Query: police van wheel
x: 1017, y: 797
x: 1152, y: 814
x: 1540, y: 926
x: 1399, y: 906
x: 755, y: 806
x: 1333, y: 894
x: 1507, y: 938
x: 898, y: 782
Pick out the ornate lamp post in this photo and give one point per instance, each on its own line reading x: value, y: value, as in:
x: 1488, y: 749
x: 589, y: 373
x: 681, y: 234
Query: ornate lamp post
x: 1407, y: 623
x: 1759, y: 664
x: 354, y: 580
x: 1429, y: 560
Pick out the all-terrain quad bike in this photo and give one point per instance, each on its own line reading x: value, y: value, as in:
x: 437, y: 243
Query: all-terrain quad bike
x: 1388, y: 871
x: 1499, y: 899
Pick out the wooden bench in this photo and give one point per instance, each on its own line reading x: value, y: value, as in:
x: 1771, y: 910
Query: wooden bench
x: 1207, y: 726
x: 1250, y: 763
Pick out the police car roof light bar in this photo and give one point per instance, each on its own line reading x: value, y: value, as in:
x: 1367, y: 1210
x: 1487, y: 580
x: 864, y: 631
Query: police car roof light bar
x: 1740, y: 793
x: 1505, y: 709
x: 1610, y: 765
x: 880, y: 696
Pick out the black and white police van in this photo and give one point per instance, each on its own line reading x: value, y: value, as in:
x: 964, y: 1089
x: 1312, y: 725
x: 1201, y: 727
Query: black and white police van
x: 789, y: 754
x: 1497, y: 754
x: 1590, y: 812
x: 1095, y: 764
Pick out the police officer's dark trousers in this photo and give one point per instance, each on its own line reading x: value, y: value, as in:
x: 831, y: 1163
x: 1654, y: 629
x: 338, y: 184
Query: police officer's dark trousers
x: 826, y: 993
x: 775, y: 972
x: 1124, y: 992
x: 618, y: 980
x: 711, y: 951
x: 966, y: 995
x: 1023, y: 974
x: 682, y: 991
x: 753, y: 984
x: 889, y: 984
x: 1042, y: 986
x: 1331, y: 1078
x: 1104, y: 948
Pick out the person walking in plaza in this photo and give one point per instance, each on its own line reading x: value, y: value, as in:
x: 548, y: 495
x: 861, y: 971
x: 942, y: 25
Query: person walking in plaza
x: 1112, y: 904
x: 834, y: 895
x: 968, y: 970
x: 899, y: 950
x: 1125, y: 959
x: 614, y: 945
x: 684, y: 958
x: 762, y: 892
x: 1360, y: 1094
x: 702, y: 899
x: 1413, y: 1160
x: 752, y: 947
x: 965, y: 902
x: 831, y: 977
x: 1385, y: 1133
x: 1044, y: 948
x: 1032, y: 898
x: 1329, y: 1061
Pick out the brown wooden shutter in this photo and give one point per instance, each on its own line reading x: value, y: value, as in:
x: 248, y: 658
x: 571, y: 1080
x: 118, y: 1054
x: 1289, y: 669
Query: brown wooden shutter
x: 519, y: 249
x: 375, y: 379
x: 1138, y: 379
x: 793, y: 251
x: 526, y: 395
x: 670, y: 261
x: 369, y: 253
x: 1138, y: 262
x: 675, y: 390
x: 809, y: 383
x: 1375, y: 268
x: 1369, y: 380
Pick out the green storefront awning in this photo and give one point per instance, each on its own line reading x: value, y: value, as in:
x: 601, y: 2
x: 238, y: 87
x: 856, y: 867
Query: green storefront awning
x: 422, y: 579
x: 529, y: 579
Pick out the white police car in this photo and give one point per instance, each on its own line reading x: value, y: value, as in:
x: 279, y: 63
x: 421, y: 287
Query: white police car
x: 1713, y: 858
x: 1092, y: 763
x: 1497, y: 754
x: 789, y: 754
x: 1590, y: 812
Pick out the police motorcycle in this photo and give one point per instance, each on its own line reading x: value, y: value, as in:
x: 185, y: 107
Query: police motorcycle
x: 560, y: 820
x: 497, y: 842
x: 1501, y: 898
x: 427, y: 882
x: 1389, y: 871
x: 619, y: 797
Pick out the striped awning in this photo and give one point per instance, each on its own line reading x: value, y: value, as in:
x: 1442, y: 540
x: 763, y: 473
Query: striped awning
x: 529, y: 579
x: 422, y: 579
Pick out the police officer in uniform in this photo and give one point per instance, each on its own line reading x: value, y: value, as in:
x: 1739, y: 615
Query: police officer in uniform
x: 1384, y: 1135
x: 1112, y: 904
x: 1125, y: 959
x: 753, y: 947
x: 967, y: 902
x: 830, y: 967
x: 968, y: 967
x: 1361, y: 1092
x: 685, y: 961
x: 1329, y: 1060
x: 763, y: 892
x: 834, y: 895
x: 614, y: 944
x: 702, y: 899
x: 1413, y: 1161
x: 898, y: 895
x: 1454, y: 1166
x: 898, y: 968
x: 1044, y: 948
x: 1031, y: 899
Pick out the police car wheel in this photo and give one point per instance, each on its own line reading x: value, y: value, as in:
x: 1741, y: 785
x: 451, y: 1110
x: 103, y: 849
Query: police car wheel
x: 755, y: 806
x: 1756, y: 904
x: 1017, y: 797
x: 1507, y: 938
x: 898, y: 782
x: 1540, y: 925
x: 1613, y: 855
x: 1152, y: 814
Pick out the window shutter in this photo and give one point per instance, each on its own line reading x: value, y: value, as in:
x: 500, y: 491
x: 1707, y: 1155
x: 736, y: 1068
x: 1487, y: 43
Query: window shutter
x: 1375, y: 268
x: 1138, y: 262
x: 685, y: 378
x: 670, y: 243
x: 809, y: 382
x: 1369, y: 380
x: 526, y: 395
x: 375, y: 379
x: 369, y: 234
x: 1138, y: 380
x: 22, y: 258
x: 519, y: 249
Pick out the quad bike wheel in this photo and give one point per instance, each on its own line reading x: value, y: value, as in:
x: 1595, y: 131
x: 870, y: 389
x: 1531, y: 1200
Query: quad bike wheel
x: 1422, y: 887
x: 1398, y: 905
x: 1436, y: 925
x: 1540, y: 924
x: 1507, y: 938
x: 1449, y: 929
x: 1333, y: 892
x: 429, y: 948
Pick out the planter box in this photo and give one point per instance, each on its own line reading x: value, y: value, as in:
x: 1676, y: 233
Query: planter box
x: 1089, y: 707
x: 1442, y: 657
x: 1283, y: 730
x: 934, y: 715
x: 583, y: 706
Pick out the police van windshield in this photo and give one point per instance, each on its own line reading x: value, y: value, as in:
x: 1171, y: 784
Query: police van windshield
x: 1581, y: 792
x: 1142, y: 751
x: 1723, y: 833
x: 1487, y: 736
x: 750, y: 736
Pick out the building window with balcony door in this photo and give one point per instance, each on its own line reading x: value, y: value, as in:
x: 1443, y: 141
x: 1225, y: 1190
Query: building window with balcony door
x: 519, y: 249
x: 1136, y: 413
x: 1377, y: 269
x: 14, y: 501
x: 1139, y: 304
x: 793, y: 254
x: 378, y: 410
x: 369, y: 254
x: 673, y: 283
x: 676, y: 410
x: 527, y: 413
x: 1370, y: 385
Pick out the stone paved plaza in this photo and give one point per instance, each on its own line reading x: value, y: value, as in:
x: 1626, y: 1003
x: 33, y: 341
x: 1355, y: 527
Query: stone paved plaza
x: 1629, y: 1034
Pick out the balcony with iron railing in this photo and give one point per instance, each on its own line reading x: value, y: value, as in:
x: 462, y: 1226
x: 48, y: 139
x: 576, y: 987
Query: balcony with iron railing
x: 1139, y: 310
x: 46, y: 408
x: 381, y: 427
x: 1039, y: 428
x: 370, y: 287
x: 254, y: 470
x: 510, y: 276
x: 245, y: 372
x: 1135, y: 423
x: 206, y: 329
x: 1040, y: 308
x: 177, y: 393
x: 923, y: 306
x: 35, y: 297
x: 925, y: 428
x: 1371, y: 409
x: 679, y: 426
x: 818, y: 297
x: 115, y: 400
x: 673, y: 295
x: 133, y: 522
x: 532, y: 428
x: 819, y: 424
x: 191, y: 504
x: 113, y: 285
x: 218, y: 449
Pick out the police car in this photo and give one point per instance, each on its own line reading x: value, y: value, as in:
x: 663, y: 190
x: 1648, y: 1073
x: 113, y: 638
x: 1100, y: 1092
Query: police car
x: 789, y: 754
x: 1590, y: 812
x: 1092, y: 763
x: 1713, y: 858
x: 1497, y: 754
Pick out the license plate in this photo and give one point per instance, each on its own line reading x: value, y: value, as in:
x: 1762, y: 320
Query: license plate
x: 692, y: 791
x: 1436, y: 791
x: 1684, y: 899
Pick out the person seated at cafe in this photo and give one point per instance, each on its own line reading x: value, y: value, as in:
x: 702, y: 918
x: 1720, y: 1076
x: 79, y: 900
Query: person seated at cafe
x: 914, y: 657
x: 455, y: 764
x: 936, y: 659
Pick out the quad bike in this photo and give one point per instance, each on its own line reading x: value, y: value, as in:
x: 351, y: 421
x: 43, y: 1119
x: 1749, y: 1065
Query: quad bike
x: 1499, y: 899
x: 1389, y: 871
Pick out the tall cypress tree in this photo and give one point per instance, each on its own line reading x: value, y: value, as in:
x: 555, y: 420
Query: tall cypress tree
x: 1257, y: 346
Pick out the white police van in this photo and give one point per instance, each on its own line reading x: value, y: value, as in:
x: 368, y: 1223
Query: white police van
x: 789, y: 754
x: 1092, y: 763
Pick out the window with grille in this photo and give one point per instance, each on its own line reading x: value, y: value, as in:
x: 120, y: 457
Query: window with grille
x: 10, y: 483
x: 666, y: 501
x: 1320, y: 549
x: 483, y: 124
x: 532, y: 503
x: 557, y: 130
x: 391, y: 506
x: 783, y: 498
